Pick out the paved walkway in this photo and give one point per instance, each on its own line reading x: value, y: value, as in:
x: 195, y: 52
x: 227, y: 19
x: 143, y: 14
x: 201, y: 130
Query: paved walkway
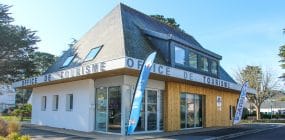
x: 44, y: 133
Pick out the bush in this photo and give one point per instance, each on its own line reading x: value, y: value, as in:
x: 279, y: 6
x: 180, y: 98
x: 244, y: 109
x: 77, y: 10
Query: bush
x: 10, y: 126
x: 13, y: 125
x: 13, y: 136
x: 3, y: 128
x: 25, y: 137
x: 16, y: 136
x: 23, y: 111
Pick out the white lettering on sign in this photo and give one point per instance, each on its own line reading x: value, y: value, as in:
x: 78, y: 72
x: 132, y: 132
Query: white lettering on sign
x: 178, y: 73
x: 130, y: 63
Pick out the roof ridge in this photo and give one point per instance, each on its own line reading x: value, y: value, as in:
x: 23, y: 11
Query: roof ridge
x: 157, y: 21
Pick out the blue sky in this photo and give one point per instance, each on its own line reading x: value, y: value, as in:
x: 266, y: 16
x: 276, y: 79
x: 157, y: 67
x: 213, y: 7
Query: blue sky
x: 244, y: 32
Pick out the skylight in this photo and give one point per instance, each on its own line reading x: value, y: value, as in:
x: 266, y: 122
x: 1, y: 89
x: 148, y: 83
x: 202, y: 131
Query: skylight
x: 92, y: 54
x: 68, y: 61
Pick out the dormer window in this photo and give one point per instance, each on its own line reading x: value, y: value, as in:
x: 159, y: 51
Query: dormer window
x: 214, y: 67
x: 193, y: 59
x: 68, y: 61
x: 204, y: 64
x: 180, y: 54
x: 92, y: 54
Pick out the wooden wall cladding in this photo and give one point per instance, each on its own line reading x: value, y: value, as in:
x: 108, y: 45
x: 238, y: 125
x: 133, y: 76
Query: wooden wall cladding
x: 211, y: 115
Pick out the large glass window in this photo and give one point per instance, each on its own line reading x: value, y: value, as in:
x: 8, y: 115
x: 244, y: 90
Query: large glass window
x: 204, y: 65
x: 214, y: 67
x: 68, y: 61
x: 190, y: 110
x: 151, y: 115
x: 180, y: 54
x: 92, y: 54
x: 108, y: 109
x: 193, y: 60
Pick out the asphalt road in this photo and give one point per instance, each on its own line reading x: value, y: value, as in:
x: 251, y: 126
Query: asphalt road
x: 272, y: 134
x: 205, y: 135
x: 37, y: 134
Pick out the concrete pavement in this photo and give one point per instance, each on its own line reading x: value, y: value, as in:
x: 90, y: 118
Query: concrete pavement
x: 44, y: 132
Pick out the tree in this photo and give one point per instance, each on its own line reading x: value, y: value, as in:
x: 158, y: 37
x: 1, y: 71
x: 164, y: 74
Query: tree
x: 39, y: 63
x: 282, y: 55
x: 261, y: 81
x: 18, y: 59
x: 17, y: 43
x: 169, y: 21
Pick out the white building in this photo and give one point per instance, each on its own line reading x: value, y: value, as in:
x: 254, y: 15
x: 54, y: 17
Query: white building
x: 90, y: 87
x: 7, y: 97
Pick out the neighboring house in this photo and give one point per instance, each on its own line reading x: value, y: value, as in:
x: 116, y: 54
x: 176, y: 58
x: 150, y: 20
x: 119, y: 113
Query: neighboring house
x: 275, y: 105
x: 7, y: 97
x: 90, y: 87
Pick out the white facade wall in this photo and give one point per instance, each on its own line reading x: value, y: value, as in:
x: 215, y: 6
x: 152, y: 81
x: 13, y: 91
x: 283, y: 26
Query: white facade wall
x: 82, y: 117
x: 77, y: 119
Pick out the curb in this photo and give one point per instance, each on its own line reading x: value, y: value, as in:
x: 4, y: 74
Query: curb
x: 241, y: 134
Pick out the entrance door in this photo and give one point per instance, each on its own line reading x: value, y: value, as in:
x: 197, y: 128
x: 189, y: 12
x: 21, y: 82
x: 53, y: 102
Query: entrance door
x: 108, y: 109
x: 114, y: 108
x: 150, y: 109
x: 190, y: 110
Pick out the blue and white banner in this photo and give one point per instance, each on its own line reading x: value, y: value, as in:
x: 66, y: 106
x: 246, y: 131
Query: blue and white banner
x: 241, y: 103
x: 139, y: 91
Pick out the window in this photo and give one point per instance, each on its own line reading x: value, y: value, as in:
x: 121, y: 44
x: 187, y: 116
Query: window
x: 44, y: 103
x: 92, y: 54
x: 214, y: 67
x: 55, y: 102
x: 69, y: 102
x: 232, y: 112
x: 179, y: 55
x: 192, y: 60
x: 190, y: 110
x: 204, y: 65
x: 68, y: 61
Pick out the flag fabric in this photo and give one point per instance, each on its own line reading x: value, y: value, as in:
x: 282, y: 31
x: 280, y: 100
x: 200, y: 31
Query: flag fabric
x: 241, y: 103
x: 139, y: 91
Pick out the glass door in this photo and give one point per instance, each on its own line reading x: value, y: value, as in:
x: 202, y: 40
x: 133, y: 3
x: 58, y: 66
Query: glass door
x: 149, y: 115
x: 198, y: 111
x: 101, y: 109
x: 114, y: 109
x: 151, y: 110
x: 190, y: 110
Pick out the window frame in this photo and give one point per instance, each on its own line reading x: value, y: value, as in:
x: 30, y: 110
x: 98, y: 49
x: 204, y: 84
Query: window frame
x: 201, y: 64
x: 72, y: 58
x: 185, y: 54
x: 99, y: 49
x: 187, y: 65
x: 189, y: 52
x: 44, y: 103
x: 55, y: 102
x: 69, y: 102
x: 216, y: 69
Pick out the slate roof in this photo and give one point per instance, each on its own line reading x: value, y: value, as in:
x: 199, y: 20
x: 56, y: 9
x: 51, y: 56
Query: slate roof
x: 122, y: 33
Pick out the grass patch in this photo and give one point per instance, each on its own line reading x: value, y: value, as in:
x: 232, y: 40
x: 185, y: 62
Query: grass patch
x: 9, y: 118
